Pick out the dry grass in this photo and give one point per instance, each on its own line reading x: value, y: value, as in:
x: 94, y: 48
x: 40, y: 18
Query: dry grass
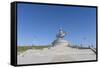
x: 24, y: 48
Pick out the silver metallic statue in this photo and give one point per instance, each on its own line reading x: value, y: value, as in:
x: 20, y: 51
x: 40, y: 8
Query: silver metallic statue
x: 61, y: 33
x: 59, y: 40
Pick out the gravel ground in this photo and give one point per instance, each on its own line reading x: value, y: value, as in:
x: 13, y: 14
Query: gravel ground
x: 55, y: 54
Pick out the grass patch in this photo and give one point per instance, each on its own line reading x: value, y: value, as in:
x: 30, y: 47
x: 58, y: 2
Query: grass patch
x: 24, y: 48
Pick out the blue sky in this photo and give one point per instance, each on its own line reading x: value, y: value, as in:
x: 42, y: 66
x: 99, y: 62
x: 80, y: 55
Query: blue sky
x: 39, y: 24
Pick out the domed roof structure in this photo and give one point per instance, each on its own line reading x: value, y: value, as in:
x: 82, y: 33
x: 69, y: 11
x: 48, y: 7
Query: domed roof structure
x: 60, y: 39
